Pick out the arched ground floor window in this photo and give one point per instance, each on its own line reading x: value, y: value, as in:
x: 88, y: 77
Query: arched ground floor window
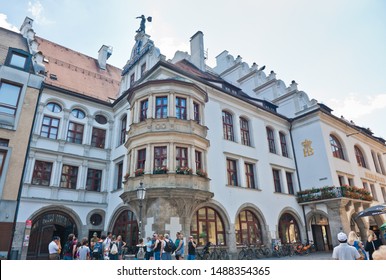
x: 207, y: 226
x: 248, y: 229
x: 288, y: 229
x: 126, y: 225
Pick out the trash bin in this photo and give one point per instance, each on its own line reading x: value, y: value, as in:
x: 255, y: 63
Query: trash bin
x: 14, y: 255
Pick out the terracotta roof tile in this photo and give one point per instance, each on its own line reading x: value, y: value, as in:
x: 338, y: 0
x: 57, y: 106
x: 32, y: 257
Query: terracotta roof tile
x: 77, y: 72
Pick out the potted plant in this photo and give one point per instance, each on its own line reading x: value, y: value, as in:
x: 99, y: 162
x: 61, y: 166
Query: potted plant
x: 139, y: 172
x: 200, y: 172
x: 160, y: 170
x: 183, y: 170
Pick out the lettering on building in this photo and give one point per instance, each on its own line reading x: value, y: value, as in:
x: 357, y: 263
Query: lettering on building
x: 307, y: 149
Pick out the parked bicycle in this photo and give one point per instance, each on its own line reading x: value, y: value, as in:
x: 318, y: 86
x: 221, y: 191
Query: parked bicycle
x: 261, y: 251
x: 246, y: 253
x: 204, y: 253
x: 219, y: 253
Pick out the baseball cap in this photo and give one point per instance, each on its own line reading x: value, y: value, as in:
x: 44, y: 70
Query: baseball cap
x: 342, y: 236
x: 95, y: 234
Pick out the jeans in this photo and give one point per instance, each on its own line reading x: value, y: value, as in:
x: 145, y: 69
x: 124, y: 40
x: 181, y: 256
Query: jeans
x: 157, y: 255
x: 191, y: 257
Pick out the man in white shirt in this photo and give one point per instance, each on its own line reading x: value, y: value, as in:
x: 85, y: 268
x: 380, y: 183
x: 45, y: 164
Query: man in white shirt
x: 344, y: 251
x: 53, y: 248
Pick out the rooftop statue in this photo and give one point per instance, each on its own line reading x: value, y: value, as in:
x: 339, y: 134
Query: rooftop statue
x: 143, y: 22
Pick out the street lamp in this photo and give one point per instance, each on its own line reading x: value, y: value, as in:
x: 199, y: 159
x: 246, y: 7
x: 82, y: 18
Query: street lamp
x: 141, y: 192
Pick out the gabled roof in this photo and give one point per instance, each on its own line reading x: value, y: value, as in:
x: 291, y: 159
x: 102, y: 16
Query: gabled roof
x: 77, y: 72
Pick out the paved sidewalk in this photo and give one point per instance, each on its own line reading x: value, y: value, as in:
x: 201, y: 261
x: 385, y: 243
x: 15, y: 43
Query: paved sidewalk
x: 312, y: 256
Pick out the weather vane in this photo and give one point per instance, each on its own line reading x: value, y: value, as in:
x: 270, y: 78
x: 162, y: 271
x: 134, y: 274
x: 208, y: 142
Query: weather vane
x: 143, y: 22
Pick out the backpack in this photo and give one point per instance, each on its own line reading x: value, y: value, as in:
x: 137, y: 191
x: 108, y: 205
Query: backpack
x: 114, y: 248
x: 97, y: 251
x: 170, y: 247
x: 68, y: 248
x: 141, y: 253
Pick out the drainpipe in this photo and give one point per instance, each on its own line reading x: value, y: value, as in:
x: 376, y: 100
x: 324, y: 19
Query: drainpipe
x: 297, y: 175
x: 22, y: 176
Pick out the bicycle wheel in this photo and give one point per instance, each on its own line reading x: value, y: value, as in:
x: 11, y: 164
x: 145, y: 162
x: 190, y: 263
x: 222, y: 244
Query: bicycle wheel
x: 266, y: 252
x: 206, y: 256
x: 224, y: 255
x: 241, y: 255
x: 249, y: 254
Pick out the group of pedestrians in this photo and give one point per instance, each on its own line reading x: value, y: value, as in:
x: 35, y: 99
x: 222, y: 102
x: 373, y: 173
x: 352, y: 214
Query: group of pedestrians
x: 107, y: 247
x: 352, y: 248
x: 162, y: 247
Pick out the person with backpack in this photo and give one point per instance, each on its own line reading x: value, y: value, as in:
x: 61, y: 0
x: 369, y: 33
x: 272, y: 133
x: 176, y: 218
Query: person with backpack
x: 166, y: 248
x: 69, y: 248
x: 113, y: 251
x: 97, y: 252
x: 140, y: 250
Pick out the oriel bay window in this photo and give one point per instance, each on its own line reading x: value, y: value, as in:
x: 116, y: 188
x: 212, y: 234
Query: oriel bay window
x: 69, y: 177
x: 160, y: 159
x: 181, y: 157
x: 181, y: 108
x: 94, y: 180
x: 141, y: 159
x: 196, y: 112
x: 143, y: 110
x: 161, y: 107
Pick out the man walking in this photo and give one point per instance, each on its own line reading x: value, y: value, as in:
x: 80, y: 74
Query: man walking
x: 344, y: 251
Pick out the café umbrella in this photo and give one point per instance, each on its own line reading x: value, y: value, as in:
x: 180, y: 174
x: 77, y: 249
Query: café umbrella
x: 373, y: 211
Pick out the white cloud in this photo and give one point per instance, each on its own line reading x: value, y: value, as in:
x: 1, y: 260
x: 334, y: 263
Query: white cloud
x: 355, y: 106
x: 37, y: 11
x: 5, y: 24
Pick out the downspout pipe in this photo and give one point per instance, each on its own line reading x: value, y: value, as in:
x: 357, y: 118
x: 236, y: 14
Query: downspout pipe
x: 298, y: 177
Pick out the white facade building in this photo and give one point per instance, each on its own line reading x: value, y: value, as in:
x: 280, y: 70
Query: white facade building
x: 222, y: 153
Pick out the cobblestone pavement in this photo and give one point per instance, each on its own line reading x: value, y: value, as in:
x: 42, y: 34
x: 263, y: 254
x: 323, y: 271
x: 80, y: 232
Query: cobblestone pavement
x: 312, y: 256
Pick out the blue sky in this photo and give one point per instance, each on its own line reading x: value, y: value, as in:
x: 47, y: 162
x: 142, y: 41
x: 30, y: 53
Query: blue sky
x: 334, y: 49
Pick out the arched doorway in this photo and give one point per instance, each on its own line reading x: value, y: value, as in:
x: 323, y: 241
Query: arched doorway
x: 288, y: 229
x: 207, y: 226
x: 44, y: 227
x: 126, y: 225
x: 248, y: 229
x: 321, y: 232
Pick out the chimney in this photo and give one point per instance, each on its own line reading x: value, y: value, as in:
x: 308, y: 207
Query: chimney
x: 197, y: 50
x: 26, y: 26
x: 103, y: 54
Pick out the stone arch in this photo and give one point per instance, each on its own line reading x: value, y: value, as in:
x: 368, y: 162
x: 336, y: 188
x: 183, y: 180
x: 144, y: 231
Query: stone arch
x: 49, y: 221
x: 266, y: 238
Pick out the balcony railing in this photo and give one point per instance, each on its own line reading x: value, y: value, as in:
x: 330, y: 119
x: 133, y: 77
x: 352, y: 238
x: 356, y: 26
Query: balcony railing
x: 330, y: 192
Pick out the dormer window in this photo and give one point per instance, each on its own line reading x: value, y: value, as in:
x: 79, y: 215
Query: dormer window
x: 18, y: 59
